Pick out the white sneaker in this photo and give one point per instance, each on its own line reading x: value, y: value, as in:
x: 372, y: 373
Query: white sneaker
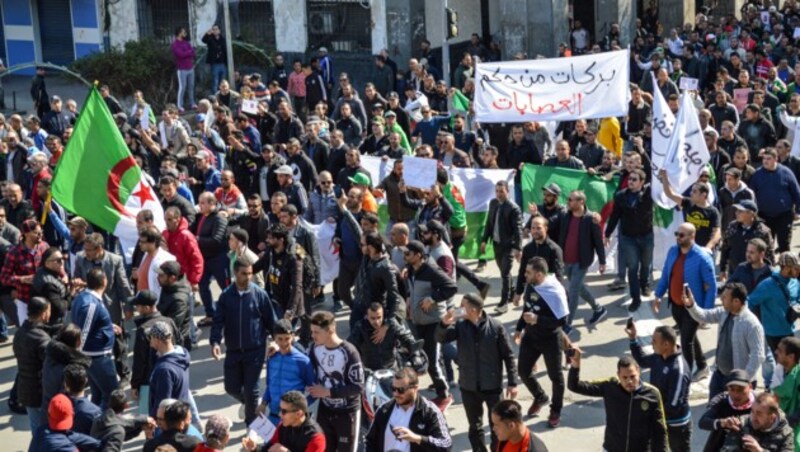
x: 501, y: 309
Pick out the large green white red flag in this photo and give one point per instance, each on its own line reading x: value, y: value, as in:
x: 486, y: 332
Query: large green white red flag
x: 98, y: 179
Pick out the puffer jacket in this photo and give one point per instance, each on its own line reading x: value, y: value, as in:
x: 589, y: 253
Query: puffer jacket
x: 30, y: 345
x: 57, y: 356
x: 46, y: 284
x: 377, y: 281
x: 183, y: 245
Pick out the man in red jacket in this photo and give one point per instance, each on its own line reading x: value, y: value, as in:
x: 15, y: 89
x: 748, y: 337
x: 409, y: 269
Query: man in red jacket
x: 183, y: 245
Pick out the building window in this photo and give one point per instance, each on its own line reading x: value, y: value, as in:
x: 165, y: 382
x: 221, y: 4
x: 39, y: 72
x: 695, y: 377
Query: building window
x: 339, y: 25
x: 257, y: 23
x: 158, y: 19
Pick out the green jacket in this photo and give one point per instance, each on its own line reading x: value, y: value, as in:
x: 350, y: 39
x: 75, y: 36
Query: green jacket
x: 789, y: 397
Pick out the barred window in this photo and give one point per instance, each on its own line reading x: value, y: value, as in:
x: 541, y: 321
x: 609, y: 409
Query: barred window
x: 339, y: 25
x: 158, y: 19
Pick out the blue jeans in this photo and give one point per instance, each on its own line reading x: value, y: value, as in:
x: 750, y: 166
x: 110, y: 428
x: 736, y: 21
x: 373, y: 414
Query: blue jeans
x: 637, y: 253
x: 34, y: 417
x: 185, y: 86
x: 577, y: 288
x: 102, y: 379
x: 218, y: 73
x: 768, y: 366
x: 216, y: 267
x: 242, y: 370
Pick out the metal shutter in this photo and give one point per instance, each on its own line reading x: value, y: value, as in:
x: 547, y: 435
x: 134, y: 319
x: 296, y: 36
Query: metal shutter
x: 55, y: 31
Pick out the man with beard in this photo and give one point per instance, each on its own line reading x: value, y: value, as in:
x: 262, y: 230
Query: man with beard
x: 302, y: 165
x: 549, y: 209
x: 394, y: 150
x: 316, y: 148
x: 541, y: 245
x: 267, y: 179
x: 377, y: 282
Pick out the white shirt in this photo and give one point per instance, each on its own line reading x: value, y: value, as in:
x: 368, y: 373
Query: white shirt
x: 398, y: 418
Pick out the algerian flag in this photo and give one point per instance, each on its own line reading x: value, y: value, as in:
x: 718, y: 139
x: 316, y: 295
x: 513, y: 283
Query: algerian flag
x: 98, y: 179
x: 476, y: 187
x: 663, y: 124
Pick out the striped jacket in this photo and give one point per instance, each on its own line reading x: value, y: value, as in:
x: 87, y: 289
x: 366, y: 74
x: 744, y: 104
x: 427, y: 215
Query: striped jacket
x: 672, y: 377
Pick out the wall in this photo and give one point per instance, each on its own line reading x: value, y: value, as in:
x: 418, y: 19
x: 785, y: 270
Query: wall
x: 86, y: 32
x: 379, y: 31
x: 19, y: 33
x: 513, y: 27
x: 201, y: 18
x: 124, y: 24
x: 290, y: 17
x: 469, y: 20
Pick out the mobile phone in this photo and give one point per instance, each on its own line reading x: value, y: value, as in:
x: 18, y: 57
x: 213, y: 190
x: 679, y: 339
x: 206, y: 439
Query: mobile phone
x: 629, y: 325
x: 459, y: 312
x: 394, y: 432
x: 686, y: 289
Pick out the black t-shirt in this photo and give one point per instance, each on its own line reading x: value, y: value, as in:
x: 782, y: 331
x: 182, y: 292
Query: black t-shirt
x: 704, y: 219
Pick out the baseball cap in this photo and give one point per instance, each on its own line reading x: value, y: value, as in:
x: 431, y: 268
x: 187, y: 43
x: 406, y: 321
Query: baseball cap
x: 393, y: 95
x: 415, y: 246
x: 323, y: 50
x: 553, y: 189
x: 377, y: 106
x: 60, y: 413
x: 746, y: 205
x: 160, y: 330
x: 390, y: 114
x: 787, y: 259
x: 170, y: 268
x: 737, y: 377
x: 144, y: 298
x: 285, y: 169
x: 360, y: 179
x: 78, y: 221
x: 203, y: 155
x: 592, y: 129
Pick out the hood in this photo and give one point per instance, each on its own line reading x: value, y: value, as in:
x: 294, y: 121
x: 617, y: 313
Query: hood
x: 178, y: 358
x: 63, y: 354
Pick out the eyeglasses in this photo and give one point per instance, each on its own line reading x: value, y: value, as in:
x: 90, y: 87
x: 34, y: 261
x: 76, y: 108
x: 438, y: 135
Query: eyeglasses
x: 402, y: 389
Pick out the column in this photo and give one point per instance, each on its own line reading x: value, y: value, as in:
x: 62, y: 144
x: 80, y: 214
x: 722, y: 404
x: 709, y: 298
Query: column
x: 675, y: 13
x: 380, y: 38
x: 291, y: 33
x: 547, y: 27
x: 622, y: 12
x: 124, y: 23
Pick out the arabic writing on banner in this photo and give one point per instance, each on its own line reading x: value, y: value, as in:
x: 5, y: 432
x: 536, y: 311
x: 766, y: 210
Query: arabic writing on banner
x: 583, y: 87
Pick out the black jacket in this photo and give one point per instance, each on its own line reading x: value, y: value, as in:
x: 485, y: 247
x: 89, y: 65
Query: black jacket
x: 734, y: 243
x: 547, y: 327
x: 211, y: 235
x: 144, y: 356
x: 634, y: 420
x: 377, y: 281
x: 19, y: 160
x: 174, y: 303
x: 717, y: 409
x: 318, y: 153
x: 382, y: 355
x: 633, y: 211
x: 316, y: 91
x: 290, y: 127
x: 283, y: 278
x: 30, y: 345
x: 57, y: 356
x: 183, y: 204
x: 307, y: 170
x: 426, y: 420
x: 510, y: 223
x: 549, y: 251
x: 482, y: 350
x: 256, y: 229
x: 590, y: 238
x: 180, y: 441
x: 49, y: 286
x: 216, y: 50
x: 114, y: 430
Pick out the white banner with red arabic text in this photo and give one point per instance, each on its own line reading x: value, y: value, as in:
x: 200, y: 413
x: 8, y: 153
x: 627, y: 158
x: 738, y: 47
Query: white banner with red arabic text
x: 560, y: 89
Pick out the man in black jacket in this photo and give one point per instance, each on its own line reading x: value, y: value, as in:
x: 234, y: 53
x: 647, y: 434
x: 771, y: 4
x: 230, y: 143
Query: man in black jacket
x: 377, y: 338
x: 177, y: 302
x: 210, y: 228
x: 483, y: 348
x: 176, y: 418
x: 216, y: 55
x: 634, y: 411
x: 283, y: 272
x: 255, y: 223
x: 633, y: 210
x: 143, y: 355
x: 542, y: 246
x: 504, y: 227
x: 726, y: 406
x: 426, y: 429
x: 539, y: 333
x: 168, y: 187
x: 738, y: 234
x: 376, y: 281
x: 30, y: 344
x: 580, y: 238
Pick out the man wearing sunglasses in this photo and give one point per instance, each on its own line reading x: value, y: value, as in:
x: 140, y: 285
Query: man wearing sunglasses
x: 296, y: 431
x: 410, y: 421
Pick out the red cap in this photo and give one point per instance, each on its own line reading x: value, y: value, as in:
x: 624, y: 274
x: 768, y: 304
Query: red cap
x: 60, y: 413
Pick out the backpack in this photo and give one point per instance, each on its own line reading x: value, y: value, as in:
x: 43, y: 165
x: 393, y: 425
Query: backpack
x: 310, y: 271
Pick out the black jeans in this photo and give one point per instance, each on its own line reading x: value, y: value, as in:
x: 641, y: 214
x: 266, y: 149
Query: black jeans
x: 529, y: 352
x: 680, y: 437
x: 340, y: 428
x: 242, y: 372
x: 692, y: 351
x: 781, y: 227
x: 473, y: 404
x: 504, y: 261
x: 434, y: 351
x: 121, y: 354
x: 461, y: 268
x: 347, y: 277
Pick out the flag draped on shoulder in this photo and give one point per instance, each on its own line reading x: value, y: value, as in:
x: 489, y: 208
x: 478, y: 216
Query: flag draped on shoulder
x: 98, y: 179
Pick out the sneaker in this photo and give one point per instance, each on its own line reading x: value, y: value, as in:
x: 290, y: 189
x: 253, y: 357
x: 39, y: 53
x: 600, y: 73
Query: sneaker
x: 597, y: 316
x: 501, y: 308
x: 485, y: 290
x: 537, y: 406
x: 634, y: 306
x: 617, y: 284
x: 241, y: 412
x: 481, y: 267
x: 443, y: 402
x: 700, y: 374
x: 554, y: 419
x: 337, y: 306
x: 646, y: 291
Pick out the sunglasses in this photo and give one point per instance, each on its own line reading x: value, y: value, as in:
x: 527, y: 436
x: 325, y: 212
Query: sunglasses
x: 402, y: 389
x: 680, y: 235
x: 326, y: 182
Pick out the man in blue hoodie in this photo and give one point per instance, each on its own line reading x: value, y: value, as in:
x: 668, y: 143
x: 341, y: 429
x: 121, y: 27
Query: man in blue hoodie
x: 287, y: 370
x: 89, y: 313
x: 170, y: 376
x: 688, y: 265
x: 246, y: 315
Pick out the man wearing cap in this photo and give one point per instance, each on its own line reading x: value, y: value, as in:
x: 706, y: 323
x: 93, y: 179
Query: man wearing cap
x: 57, y: 433
x: 400, y: 118
x: 549, y: 209
x: 765, y: 428
x: 362, y: 182
x: 736, y: 400
x: 718, y: 157
x: 294, y: 191
x: 592, y: 152
x: 143, y: 356
x: 738, y: 234
x: 732, y: 192
x: 210, y: 176
x: 740, y: 341
x: 777, y: 196
x: 169, y: 378
x: 98, y: 333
